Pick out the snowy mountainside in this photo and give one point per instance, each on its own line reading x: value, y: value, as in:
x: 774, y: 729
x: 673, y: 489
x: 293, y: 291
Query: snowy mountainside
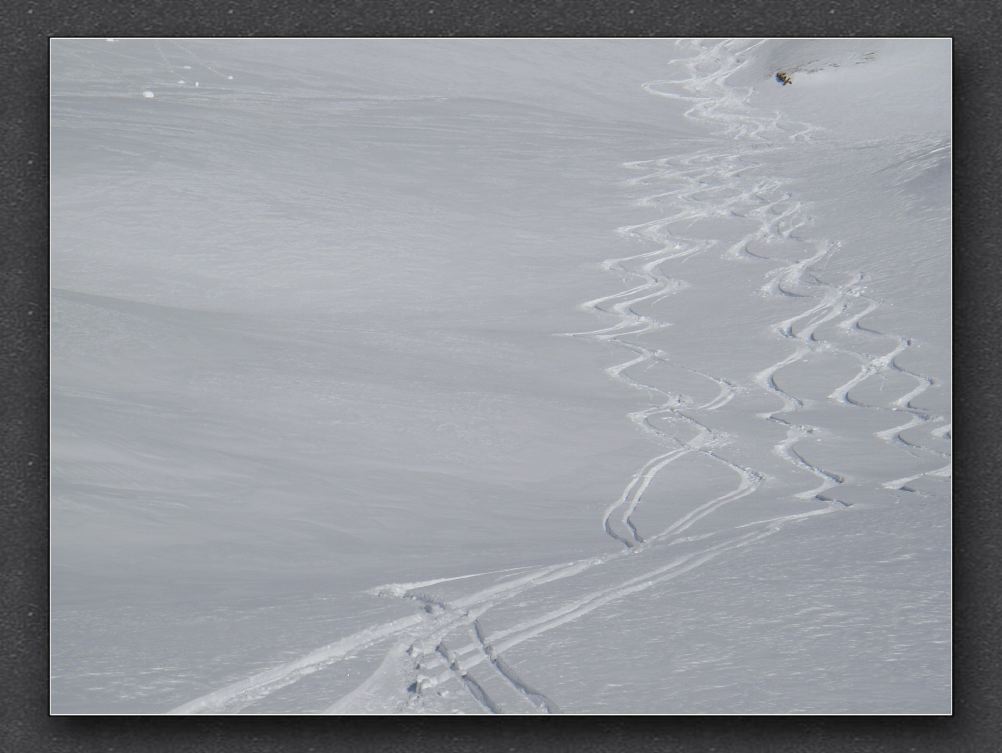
x: 502, y: 376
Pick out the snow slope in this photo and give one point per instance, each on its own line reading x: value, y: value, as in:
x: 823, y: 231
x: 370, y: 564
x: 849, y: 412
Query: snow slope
x: 501, y: 376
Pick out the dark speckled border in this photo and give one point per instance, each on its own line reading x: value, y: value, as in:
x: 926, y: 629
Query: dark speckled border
x: 26, y: 27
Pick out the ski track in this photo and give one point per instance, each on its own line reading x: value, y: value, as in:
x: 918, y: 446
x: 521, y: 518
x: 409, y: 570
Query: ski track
x: 686, y: 427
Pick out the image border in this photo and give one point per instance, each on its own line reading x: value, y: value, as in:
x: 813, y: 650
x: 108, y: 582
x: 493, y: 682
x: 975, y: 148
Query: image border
x: 27, y: 28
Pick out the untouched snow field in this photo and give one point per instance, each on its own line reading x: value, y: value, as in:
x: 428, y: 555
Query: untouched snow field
x: 501, y: 376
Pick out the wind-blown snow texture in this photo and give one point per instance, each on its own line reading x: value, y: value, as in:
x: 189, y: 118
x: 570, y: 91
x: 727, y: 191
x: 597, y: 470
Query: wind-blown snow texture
x: 501, y: 376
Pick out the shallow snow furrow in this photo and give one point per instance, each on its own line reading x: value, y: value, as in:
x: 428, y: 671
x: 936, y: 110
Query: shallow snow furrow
x: 897, y: 484
x: 903, y: 404
x: 834, y: 304
x: 538, y: 701
x: 242, y: 693
x: 507, y: 639
x: 474, y: 688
